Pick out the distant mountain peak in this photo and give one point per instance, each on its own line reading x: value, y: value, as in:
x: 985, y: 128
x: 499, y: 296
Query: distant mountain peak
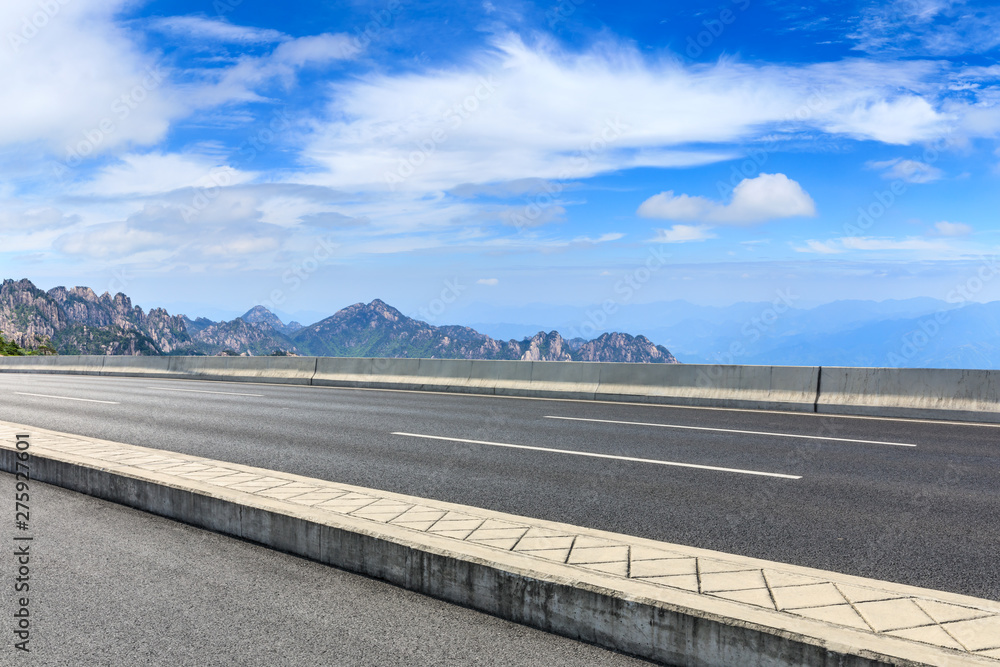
x: 262, y: 315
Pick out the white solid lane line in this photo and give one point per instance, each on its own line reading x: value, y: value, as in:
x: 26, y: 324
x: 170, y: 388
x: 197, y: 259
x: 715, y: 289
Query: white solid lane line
x: 731, y: 430
x: 67, y: 398
x: 601, y: 456
x: 202, y: 391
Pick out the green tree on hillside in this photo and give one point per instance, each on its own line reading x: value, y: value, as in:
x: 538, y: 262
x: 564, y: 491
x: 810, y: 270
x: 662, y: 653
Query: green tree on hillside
x: 10, y: 348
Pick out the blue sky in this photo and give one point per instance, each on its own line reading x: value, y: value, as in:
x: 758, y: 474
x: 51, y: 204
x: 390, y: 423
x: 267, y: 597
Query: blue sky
x: 214, y: 154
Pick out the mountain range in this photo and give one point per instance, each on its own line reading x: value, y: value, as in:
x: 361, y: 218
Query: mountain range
x: 919, y: 332
x: 78, y: 321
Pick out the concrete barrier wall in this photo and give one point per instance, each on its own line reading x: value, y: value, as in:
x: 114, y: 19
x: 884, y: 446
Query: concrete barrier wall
x: 919, y: 393
x: 752, y: 387
x: 71, y: 364
x: 281, y: 370
x: 911, y: 392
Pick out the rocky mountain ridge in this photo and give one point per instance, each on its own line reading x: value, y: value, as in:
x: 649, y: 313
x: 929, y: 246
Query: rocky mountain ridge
x: 78, y: 321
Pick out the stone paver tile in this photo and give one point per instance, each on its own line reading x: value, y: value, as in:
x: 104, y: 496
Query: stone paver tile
x: 731, y: 581
x: 454, y: 534
x: 619, y: 568
x: 777, y: 578
x: 422, y: 526
x: 664, y: 568
x: 166, y: 465
x: 420, y: 515
x: 709, y: 565
x: 92, y: 452
x: 858, y: 594
x: 125, y: 457
x: 122, y: 455
x: 759, y: 597
x: 257, y: 485
x: 178, y: 467
x: 649, y: 553
x: 977, y: 635
x: 528, y: 543
x: 505, y: 544
x: 379, y: 518
x: 238, y: 478
x: 384, y: 504
x: 339, y: 506
x: 287, y: 491
x: 944, y: 613
x: 460, y: 516
x: 140, y: 459
x: 688, y: 582
x: 928, y: 634
x: 535, y: 531
x: 381, y: 513
x: 893, y: 615
x: 588, y: 542
x: 597, y: 554
x: 494, y: 524
x: 497, y: 534
x: 813, y: 595
x: 444, y: 525
x: 391, y: 506
x: 841, y: 614
x: 213, y: 472
x: 138, y: 462
x: 316, y: 497
x: 558, y: 555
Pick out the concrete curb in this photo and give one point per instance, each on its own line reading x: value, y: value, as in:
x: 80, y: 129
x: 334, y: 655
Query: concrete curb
x: 962, y: 395
x: 664, y: 624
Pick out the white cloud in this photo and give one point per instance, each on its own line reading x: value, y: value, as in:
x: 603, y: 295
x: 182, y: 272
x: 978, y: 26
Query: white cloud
x: 64, y: 80
x: 683, y: 234
x: 908, y: 171
x: 84, y: 83
x: 945, y: 228
x: 488, y: 281
x: 900, y: 121
x: 197, y: 27
x: 316, y: 49
x: 158, y: 173
x: 34, y: 219
x: 539, y: 111
x: 603, y: 238
x: 819, y: 248
x: 766, y: 197
x: 869, y: 243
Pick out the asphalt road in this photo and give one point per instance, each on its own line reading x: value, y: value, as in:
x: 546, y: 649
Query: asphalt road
x: 114, y: 586
x: 926, y: 514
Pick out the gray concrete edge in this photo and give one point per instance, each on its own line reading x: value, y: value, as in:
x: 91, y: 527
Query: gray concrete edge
x: 645, y: 628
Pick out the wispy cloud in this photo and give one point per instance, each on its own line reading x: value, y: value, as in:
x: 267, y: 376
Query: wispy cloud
x: 908, y: 171
x: 214, y: 30
x: 870, y: 243
x: 683, y: 234
x: 819, y: 248
x: 945, y: 228
x: 927, y: 27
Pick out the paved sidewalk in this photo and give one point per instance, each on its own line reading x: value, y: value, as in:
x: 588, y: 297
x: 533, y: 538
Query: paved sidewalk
x: 852, y: 611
